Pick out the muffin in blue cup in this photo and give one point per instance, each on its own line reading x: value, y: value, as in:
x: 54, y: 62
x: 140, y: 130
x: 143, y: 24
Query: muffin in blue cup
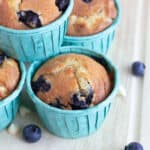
x: 92, y: 24
x: 81, y: 112
x: 12, y: 77
x: 30, y: 30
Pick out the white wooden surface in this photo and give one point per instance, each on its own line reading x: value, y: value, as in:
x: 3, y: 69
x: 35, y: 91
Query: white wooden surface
x: 129, y: 118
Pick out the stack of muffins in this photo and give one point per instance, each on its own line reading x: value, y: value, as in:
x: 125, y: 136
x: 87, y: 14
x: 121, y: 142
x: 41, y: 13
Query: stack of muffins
x: 72, y: 84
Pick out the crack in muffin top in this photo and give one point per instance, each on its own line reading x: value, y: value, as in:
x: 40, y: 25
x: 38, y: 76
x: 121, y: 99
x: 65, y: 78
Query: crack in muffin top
x: 73, y: 75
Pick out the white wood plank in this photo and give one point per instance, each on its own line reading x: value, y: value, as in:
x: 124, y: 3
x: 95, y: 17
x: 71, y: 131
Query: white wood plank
x: 128, y: 119
x: 145, y: 119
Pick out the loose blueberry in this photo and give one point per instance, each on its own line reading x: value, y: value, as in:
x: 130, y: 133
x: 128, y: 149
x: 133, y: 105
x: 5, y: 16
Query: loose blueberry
x: 32, y: 133
x: 62, y: 4
x: 87, y: 1
x: 134, y: 146
x: 2, y: 57
x: 29, y: 18
x: 40, y: 85
x: 138, y: 68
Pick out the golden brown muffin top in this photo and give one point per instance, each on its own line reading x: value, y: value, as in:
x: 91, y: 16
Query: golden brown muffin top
x: 66, y: 78
x: 46, y: 10
x: 82, y: 8
x: 86, y: 9
x: 91, y: 17
x: 9, y: 75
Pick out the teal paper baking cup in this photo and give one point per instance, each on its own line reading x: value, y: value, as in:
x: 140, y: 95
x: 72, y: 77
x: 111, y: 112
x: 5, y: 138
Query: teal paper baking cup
x: 35, y: 44
x: 72, y: 123
x: 9, y: 105
x: 100, y: 42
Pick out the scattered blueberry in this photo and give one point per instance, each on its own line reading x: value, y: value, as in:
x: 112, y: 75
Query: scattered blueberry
x: 29, y: 18
x: 40, y: 85
x: 62, y: 4
x: 87, y: 1
x: 134, y: 146
x: 2, y: 57
x: 138, y: 68
x: 32, y: 133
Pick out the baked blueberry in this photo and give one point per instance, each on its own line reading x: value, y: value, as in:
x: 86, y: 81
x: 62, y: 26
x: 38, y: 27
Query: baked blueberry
x: 78, y: 101
x: 89, y: 96
x: 2, y: 57
x: 138, y: 68
x: 40, y: 85
x: 29, y: 18
x: 87, y: 1
x: 62, y: 4
x: 57, y: 104
x: 32, y: 133
x: 78, y: 104
x: 134, y: 146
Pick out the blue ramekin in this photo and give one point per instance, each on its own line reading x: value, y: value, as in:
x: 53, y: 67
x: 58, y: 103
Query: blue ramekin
x: 9, y: 105
x: 99, y: 42
x: 72, y: 123
x: 35, y: 44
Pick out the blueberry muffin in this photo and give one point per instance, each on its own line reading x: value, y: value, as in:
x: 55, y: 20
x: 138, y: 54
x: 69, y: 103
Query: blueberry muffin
x: 91, y: 16
x: 9, y: 75
x: 72, y: 81
x: 26, y: 14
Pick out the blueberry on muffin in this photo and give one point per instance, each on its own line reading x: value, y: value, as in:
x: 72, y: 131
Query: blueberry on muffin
x: 28, y: 14
x: 9, y: 75
x: 91, y: 16
x: 72, y: 81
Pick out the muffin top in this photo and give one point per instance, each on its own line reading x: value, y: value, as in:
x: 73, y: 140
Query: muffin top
x: 72, y: 81
x: 91, y: 16
x: 9, y: 75
x: 26, y: 14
